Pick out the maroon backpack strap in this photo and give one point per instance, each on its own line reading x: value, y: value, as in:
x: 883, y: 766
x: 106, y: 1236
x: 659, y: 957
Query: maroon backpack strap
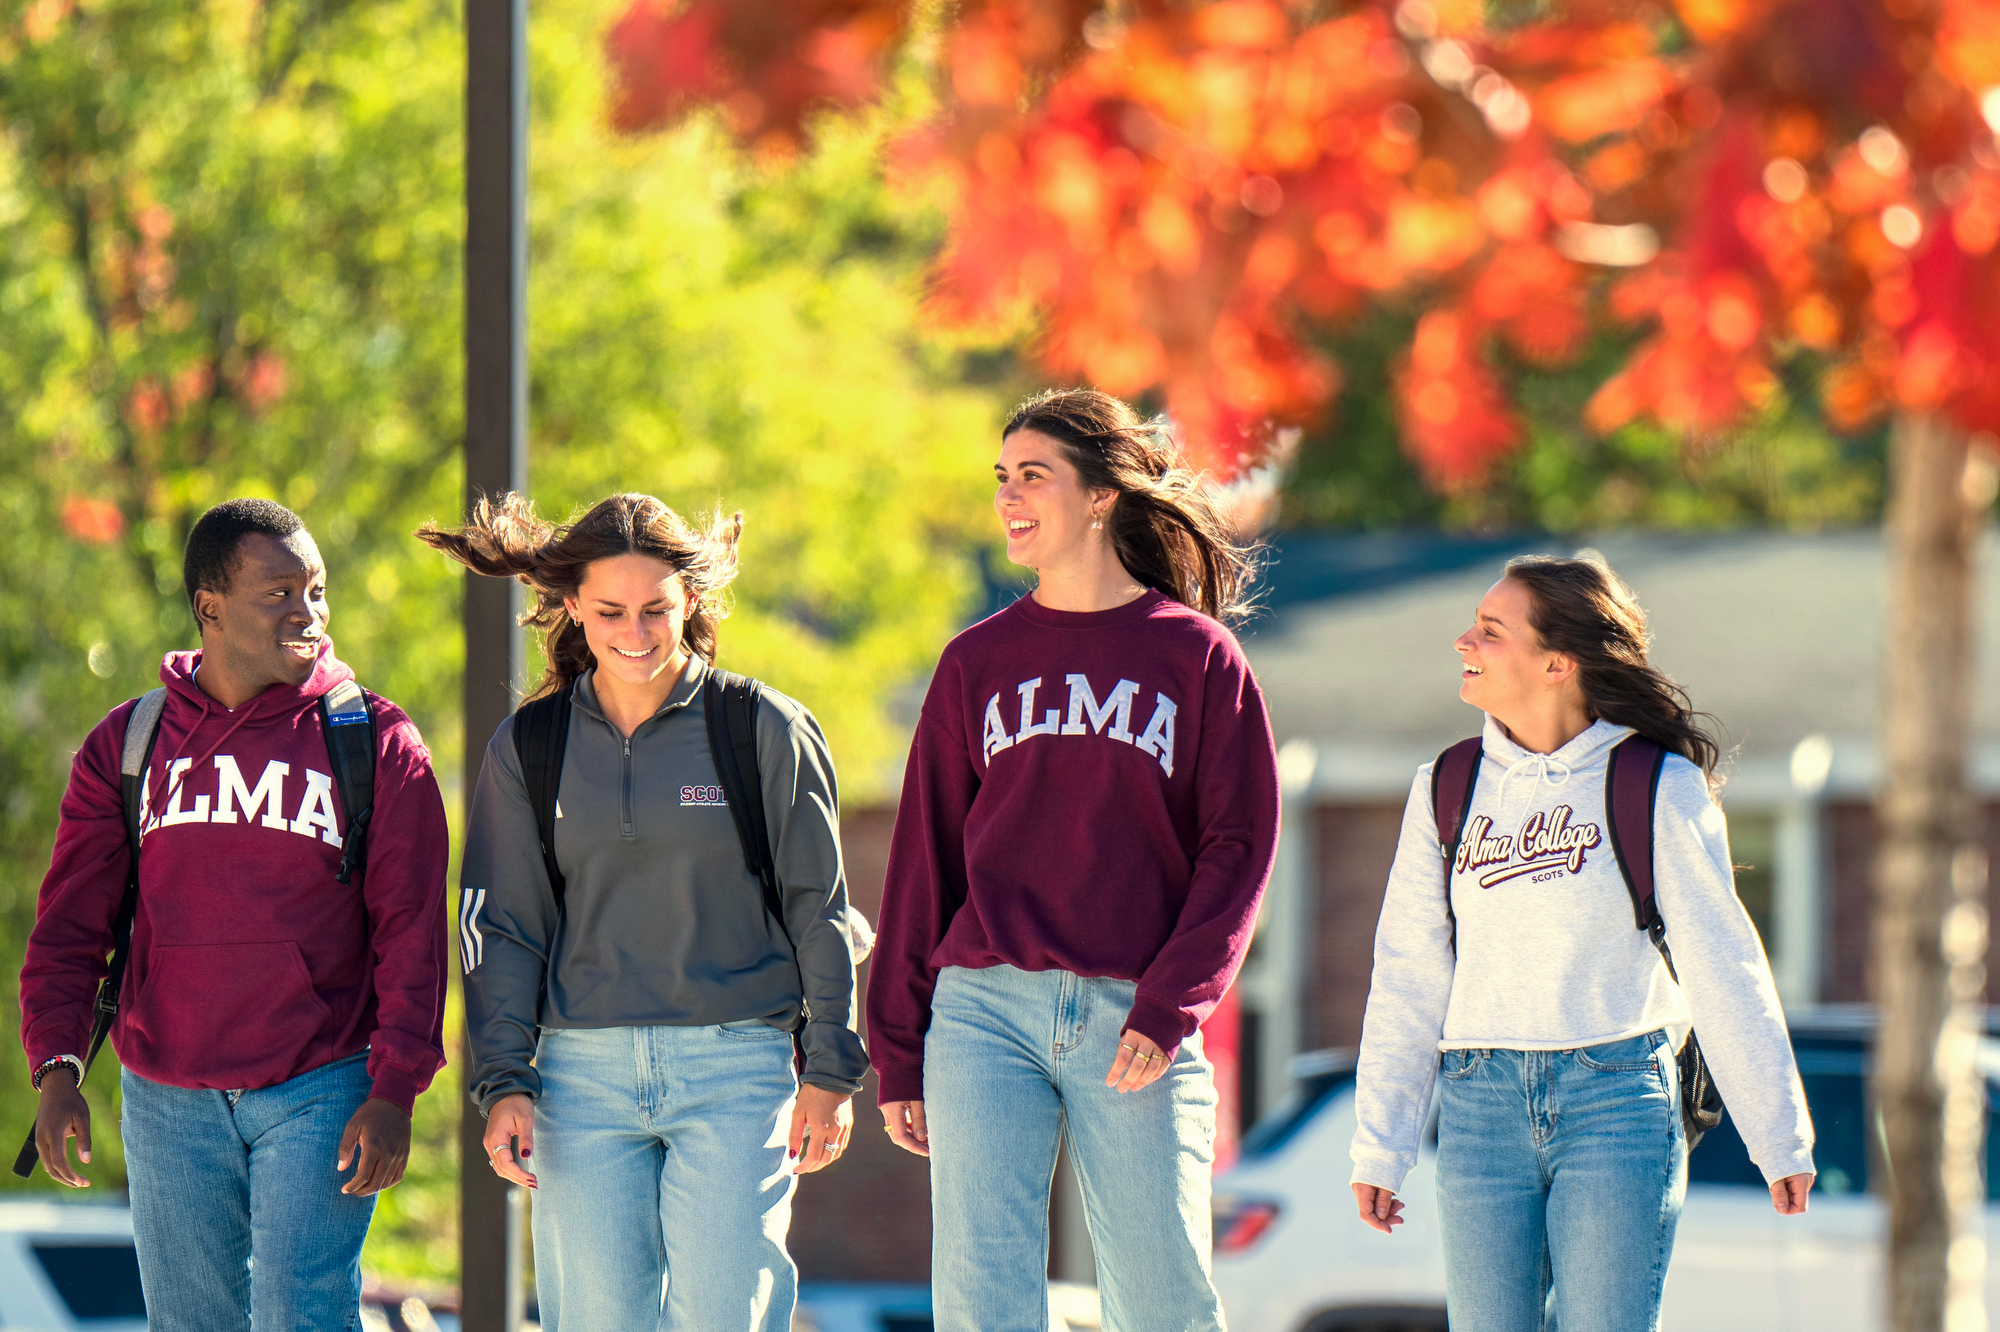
x: 1631, y: 787
x: 1453, y: 776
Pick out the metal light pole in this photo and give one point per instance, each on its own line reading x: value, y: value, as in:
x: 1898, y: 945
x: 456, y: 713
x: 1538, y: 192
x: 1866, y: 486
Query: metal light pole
x: 496, y: 459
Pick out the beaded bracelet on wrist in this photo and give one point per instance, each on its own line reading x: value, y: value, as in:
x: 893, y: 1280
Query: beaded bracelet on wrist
x: 71, y: 1062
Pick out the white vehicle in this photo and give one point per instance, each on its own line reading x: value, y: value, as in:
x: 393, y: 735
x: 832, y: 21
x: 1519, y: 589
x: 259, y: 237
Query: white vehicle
x: 68, y: 1266
x: 71, y: 1267
x: 1292, y: 1256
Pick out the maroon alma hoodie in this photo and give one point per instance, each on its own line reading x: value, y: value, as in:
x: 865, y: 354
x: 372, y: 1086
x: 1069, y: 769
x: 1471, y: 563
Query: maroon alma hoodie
x: 250, y: 963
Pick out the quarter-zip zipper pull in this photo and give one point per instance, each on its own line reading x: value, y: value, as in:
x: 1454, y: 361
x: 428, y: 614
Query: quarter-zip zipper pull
x: 626, y: 793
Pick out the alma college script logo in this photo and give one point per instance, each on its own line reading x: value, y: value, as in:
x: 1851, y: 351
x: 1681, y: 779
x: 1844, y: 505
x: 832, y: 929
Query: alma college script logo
x: 1548, y: 847
x: 1086, y: 716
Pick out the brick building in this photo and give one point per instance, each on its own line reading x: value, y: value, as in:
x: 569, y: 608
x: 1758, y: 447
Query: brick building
x: 1778, y: 636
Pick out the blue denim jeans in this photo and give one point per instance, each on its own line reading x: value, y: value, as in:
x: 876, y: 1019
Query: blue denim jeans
x: 1560, y: 1177
x: 236, y: 1205
x: 1013, y: 1059
x: 660, y: 1159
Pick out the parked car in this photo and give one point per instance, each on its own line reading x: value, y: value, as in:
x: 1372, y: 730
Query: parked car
x: 71, y: 1267
x: 1292, y: 1256
x: 67, y: 1266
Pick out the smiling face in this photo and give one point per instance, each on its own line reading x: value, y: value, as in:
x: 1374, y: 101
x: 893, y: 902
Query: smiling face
x: 267, y: 627
x: 633, y: 609
x: 1043, y: 503
x: 1505, y: 670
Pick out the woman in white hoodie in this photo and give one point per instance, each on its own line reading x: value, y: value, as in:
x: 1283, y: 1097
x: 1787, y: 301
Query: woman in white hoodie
x: 1522, y: 980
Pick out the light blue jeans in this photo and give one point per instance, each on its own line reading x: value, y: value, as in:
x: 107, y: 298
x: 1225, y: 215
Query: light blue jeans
x: 1560, y: 1177
x: 1013, y: 1059
x: 221, y: 1178
x: 660, y: 1159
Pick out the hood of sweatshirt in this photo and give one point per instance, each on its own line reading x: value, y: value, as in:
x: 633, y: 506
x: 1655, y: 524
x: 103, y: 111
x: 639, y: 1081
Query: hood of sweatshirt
x: 1584, y: 760
x: 178, y: 669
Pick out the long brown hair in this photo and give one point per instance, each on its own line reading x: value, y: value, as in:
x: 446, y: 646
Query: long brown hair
x: 1166, y: 527
x: 505, y: 539
x: 1583, y: 610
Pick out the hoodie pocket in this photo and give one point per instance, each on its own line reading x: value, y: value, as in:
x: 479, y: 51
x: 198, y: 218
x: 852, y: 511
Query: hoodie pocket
x: 229, y: 1015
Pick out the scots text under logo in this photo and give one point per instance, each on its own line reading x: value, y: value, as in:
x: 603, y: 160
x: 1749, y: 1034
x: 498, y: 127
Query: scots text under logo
x: 1547, y: 848
x: 702, y: 795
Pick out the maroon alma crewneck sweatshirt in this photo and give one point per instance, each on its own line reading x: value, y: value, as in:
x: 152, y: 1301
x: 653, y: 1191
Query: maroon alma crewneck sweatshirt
x: 1094, y: 792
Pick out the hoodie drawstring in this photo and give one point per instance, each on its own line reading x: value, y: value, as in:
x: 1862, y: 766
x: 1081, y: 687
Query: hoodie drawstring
x: 1541, y: 763
x: 173, y: 786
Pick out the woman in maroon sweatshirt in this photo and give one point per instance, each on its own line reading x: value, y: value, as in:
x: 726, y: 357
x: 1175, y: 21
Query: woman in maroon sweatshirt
x: 1086, y: 827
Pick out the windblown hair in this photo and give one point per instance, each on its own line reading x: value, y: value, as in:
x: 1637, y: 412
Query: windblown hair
x: 1166, y: 527
x: 505, y: 539
x: 210, y: 559
x: 1583, y: 610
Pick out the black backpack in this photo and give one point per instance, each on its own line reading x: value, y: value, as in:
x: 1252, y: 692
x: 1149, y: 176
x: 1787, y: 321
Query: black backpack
x: 347, y: 715
x: 729, y: 701
x: 1631, y: 788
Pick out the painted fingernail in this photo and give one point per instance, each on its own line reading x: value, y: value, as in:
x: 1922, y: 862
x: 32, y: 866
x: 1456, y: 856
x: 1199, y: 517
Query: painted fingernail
x: 526, y: 1153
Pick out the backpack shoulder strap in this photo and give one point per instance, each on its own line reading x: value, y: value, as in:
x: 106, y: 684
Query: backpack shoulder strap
x: 1453, y: 776
x: 347, y: 716
x: 1631, y: 787
x: 142, y: 727
x: 730, y: 702
x: 541, y: 738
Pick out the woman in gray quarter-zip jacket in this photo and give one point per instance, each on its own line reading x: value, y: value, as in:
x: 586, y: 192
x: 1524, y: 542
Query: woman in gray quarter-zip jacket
x: 633, y: 1044
x: 1513, y: 978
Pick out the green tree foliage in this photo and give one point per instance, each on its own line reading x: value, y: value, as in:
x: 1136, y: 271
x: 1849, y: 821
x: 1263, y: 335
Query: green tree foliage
x: 230, y: 264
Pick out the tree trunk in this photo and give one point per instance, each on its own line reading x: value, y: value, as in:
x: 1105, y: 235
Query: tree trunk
x: 1930, y: 917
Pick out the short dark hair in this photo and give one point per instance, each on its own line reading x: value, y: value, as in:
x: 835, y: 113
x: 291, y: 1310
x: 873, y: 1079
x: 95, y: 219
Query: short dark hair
x: 212, y: 546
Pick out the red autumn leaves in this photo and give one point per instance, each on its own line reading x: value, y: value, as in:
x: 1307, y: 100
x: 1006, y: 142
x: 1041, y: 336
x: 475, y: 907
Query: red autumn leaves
x: 1187, y: 193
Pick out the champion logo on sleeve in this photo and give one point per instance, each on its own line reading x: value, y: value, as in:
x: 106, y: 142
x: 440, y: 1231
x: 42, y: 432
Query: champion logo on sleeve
x: 703, y: 795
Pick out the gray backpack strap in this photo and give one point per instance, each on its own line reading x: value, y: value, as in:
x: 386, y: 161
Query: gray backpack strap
x: 139, y: 729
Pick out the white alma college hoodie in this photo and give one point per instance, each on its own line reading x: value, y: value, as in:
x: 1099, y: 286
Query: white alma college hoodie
x: 1549, y: 956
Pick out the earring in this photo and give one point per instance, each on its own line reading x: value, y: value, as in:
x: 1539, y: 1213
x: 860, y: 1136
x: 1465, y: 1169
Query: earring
x: 1096, y: 523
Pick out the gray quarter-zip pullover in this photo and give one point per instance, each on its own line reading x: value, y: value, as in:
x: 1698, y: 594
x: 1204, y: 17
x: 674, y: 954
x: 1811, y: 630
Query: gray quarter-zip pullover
x: 663, y: 924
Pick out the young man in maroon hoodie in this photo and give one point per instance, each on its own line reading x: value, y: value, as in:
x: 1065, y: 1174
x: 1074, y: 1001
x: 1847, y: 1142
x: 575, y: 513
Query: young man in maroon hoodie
x: 276, y: 1024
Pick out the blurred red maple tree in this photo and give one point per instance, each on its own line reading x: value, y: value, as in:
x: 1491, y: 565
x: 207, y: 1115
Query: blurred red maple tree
x: 1186, y: 191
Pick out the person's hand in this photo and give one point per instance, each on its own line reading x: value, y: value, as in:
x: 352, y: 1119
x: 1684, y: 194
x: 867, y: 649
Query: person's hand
x: 822, y: 1122
x: 1380, y: 1209
x: 63, y: 1115
x: 905, y: 1120
x: 1140, y: 1062
x: 511, y: 1118
x: 1788, y: 1195
x: 378, y: 1141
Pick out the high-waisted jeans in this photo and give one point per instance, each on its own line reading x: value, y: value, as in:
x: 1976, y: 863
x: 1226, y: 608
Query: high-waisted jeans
x: 1560, y: 1178
x: 661, y: 1158
x: 1014, y: 1058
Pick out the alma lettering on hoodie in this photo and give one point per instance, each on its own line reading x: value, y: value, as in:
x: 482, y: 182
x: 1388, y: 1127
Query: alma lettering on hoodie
x: 1093, y: 792
x: 250, y: 963
x: 315, y: 813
